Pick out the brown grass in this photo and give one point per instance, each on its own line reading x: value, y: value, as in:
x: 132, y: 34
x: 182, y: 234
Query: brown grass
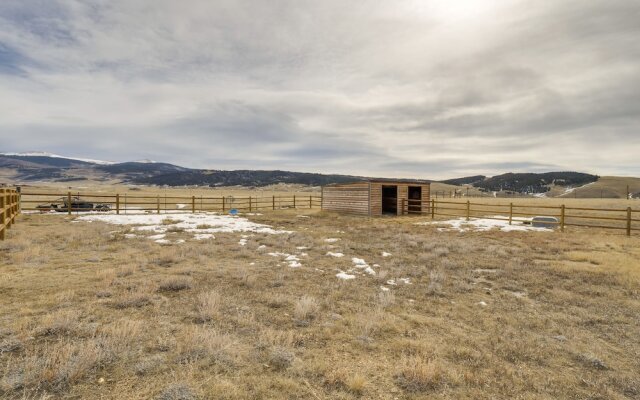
x: 85, y: 313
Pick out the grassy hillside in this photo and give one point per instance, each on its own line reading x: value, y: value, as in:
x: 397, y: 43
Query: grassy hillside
x: 607, y: 187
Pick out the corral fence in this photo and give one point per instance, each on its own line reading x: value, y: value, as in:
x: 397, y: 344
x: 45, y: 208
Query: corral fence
x: 9, y: 210
x: 123, y: 203
x: 621, y: 219
x: 458, y: 194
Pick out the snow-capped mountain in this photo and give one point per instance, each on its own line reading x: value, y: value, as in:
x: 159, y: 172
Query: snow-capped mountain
x: 46, y: 154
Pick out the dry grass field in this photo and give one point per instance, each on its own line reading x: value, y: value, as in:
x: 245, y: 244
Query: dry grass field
x: 99, y: 311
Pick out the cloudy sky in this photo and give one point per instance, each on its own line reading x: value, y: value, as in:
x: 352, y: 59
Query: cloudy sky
x: 423, y: 88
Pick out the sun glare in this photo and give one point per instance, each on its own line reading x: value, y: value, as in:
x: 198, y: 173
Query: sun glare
x: 451, y: 11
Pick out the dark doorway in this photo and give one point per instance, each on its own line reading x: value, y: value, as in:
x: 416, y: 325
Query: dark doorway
x: 390, y: 200
x: 415, y: 199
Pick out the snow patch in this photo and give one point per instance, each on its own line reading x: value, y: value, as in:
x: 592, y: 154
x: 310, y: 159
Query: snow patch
x: 345, y: 276
x: 203, y: 236
x: 483, y: 225
x: 332, y: 254
x: 189, y: 222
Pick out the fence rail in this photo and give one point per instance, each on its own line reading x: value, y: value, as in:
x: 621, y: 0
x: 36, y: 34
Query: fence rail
x: 122, y: 203
x: 625, y: 219
x: 9, y: 210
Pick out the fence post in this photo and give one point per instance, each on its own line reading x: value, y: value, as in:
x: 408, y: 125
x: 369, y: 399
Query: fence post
x: 158, y: 204
x: 250, y: 208
x: 117, y: 203
x: 11, y: 216
x: 294, y: 201
x: 510, y: 213
x: 193, y: 204
x: 2, y: 214
x: 310, y: 205
x: 433, y: 208
x: 628, y: 221
x: 274, y: 203
x: 562, y: 216
x: 69, y: 203
x: 468, y: 210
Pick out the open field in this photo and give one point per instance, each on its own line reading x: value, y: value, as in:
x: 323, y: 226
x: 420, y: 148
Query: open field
x: 96, y: 310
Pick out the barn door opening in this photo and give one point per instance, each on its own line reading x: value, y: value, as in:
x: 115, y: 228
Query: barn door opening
x: 390, y: 200
x: 415, y: 199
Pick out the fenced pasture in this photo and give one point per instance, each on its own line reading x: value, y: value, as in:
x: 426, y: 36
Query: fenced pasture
x: 332, y: 306
x: 611, y: 215
x: 127, y: 202
x: 9, y: 209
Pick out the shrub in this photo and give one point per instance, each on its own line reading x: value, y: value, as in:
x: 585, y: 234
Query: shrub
x: 436, y: 279
x: 129, y: 300
x: 356, y: 384
x: 177, y: 391
x: 62, y: 322
x: 175, y: 284
x: 306, y: 309
x: 418, y: 375
x: 386, y: 299
x: 281, y: 357
x: 208, y: 305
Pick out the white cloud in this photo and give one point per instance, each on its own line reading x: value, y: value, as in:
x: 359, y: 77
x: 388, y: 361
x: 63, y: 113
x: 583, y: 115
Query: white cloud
x: 427, y: 88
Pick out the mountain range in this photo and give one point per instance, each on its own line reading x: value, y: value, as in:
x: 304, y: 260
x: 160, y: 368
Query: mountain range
x: 39, y: 166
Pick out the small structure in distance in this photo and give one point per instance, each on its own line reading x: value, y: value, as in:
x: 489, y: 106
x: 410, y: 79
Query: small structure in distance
x: 376, y: 197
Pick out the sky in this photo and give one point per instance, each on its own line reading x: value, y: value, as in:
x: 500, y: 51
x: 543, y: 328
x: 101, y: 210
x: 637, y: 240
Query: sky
x: 428, y: 89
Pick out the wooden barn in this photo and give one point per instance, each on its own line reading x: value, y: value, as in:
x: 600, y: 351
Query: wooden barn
x: 377, y: 197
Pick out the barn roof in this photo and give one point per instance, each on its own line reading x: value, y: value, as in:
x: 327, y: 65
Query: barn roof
x: 386, y: 181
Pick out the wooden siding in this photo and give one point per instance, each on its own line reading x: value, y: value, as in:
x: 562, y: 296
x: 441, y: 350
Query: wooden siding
x: 351, y: 198
x: 403, y: 194
x: 365, y: 198
x: 426, y: 197
x: 376, y: 199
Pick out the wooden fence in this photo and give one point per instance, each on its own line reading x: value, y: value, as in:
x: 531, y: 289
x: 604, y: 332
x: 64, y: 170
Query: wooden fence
x: 122, y: 203
x: 622, y: 219
x: 9, y: 209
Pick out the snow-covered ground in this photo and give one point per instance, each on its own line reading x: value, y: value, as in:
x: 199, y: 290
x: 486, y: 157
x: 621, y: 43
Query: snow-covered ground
x: 192, y: 223
x: 202, y: 226
x: 484, y: 224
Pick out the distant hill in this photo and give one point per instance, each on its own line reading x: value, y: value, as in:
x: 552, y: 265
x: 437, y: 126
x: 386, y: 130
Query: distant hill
x: 243, y: 178
x: 606, y: 187
x: 39, y: 166
x: 532, y: 182
x: 468, y: 180
x: 552, y: 184
x: 136, y: 171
